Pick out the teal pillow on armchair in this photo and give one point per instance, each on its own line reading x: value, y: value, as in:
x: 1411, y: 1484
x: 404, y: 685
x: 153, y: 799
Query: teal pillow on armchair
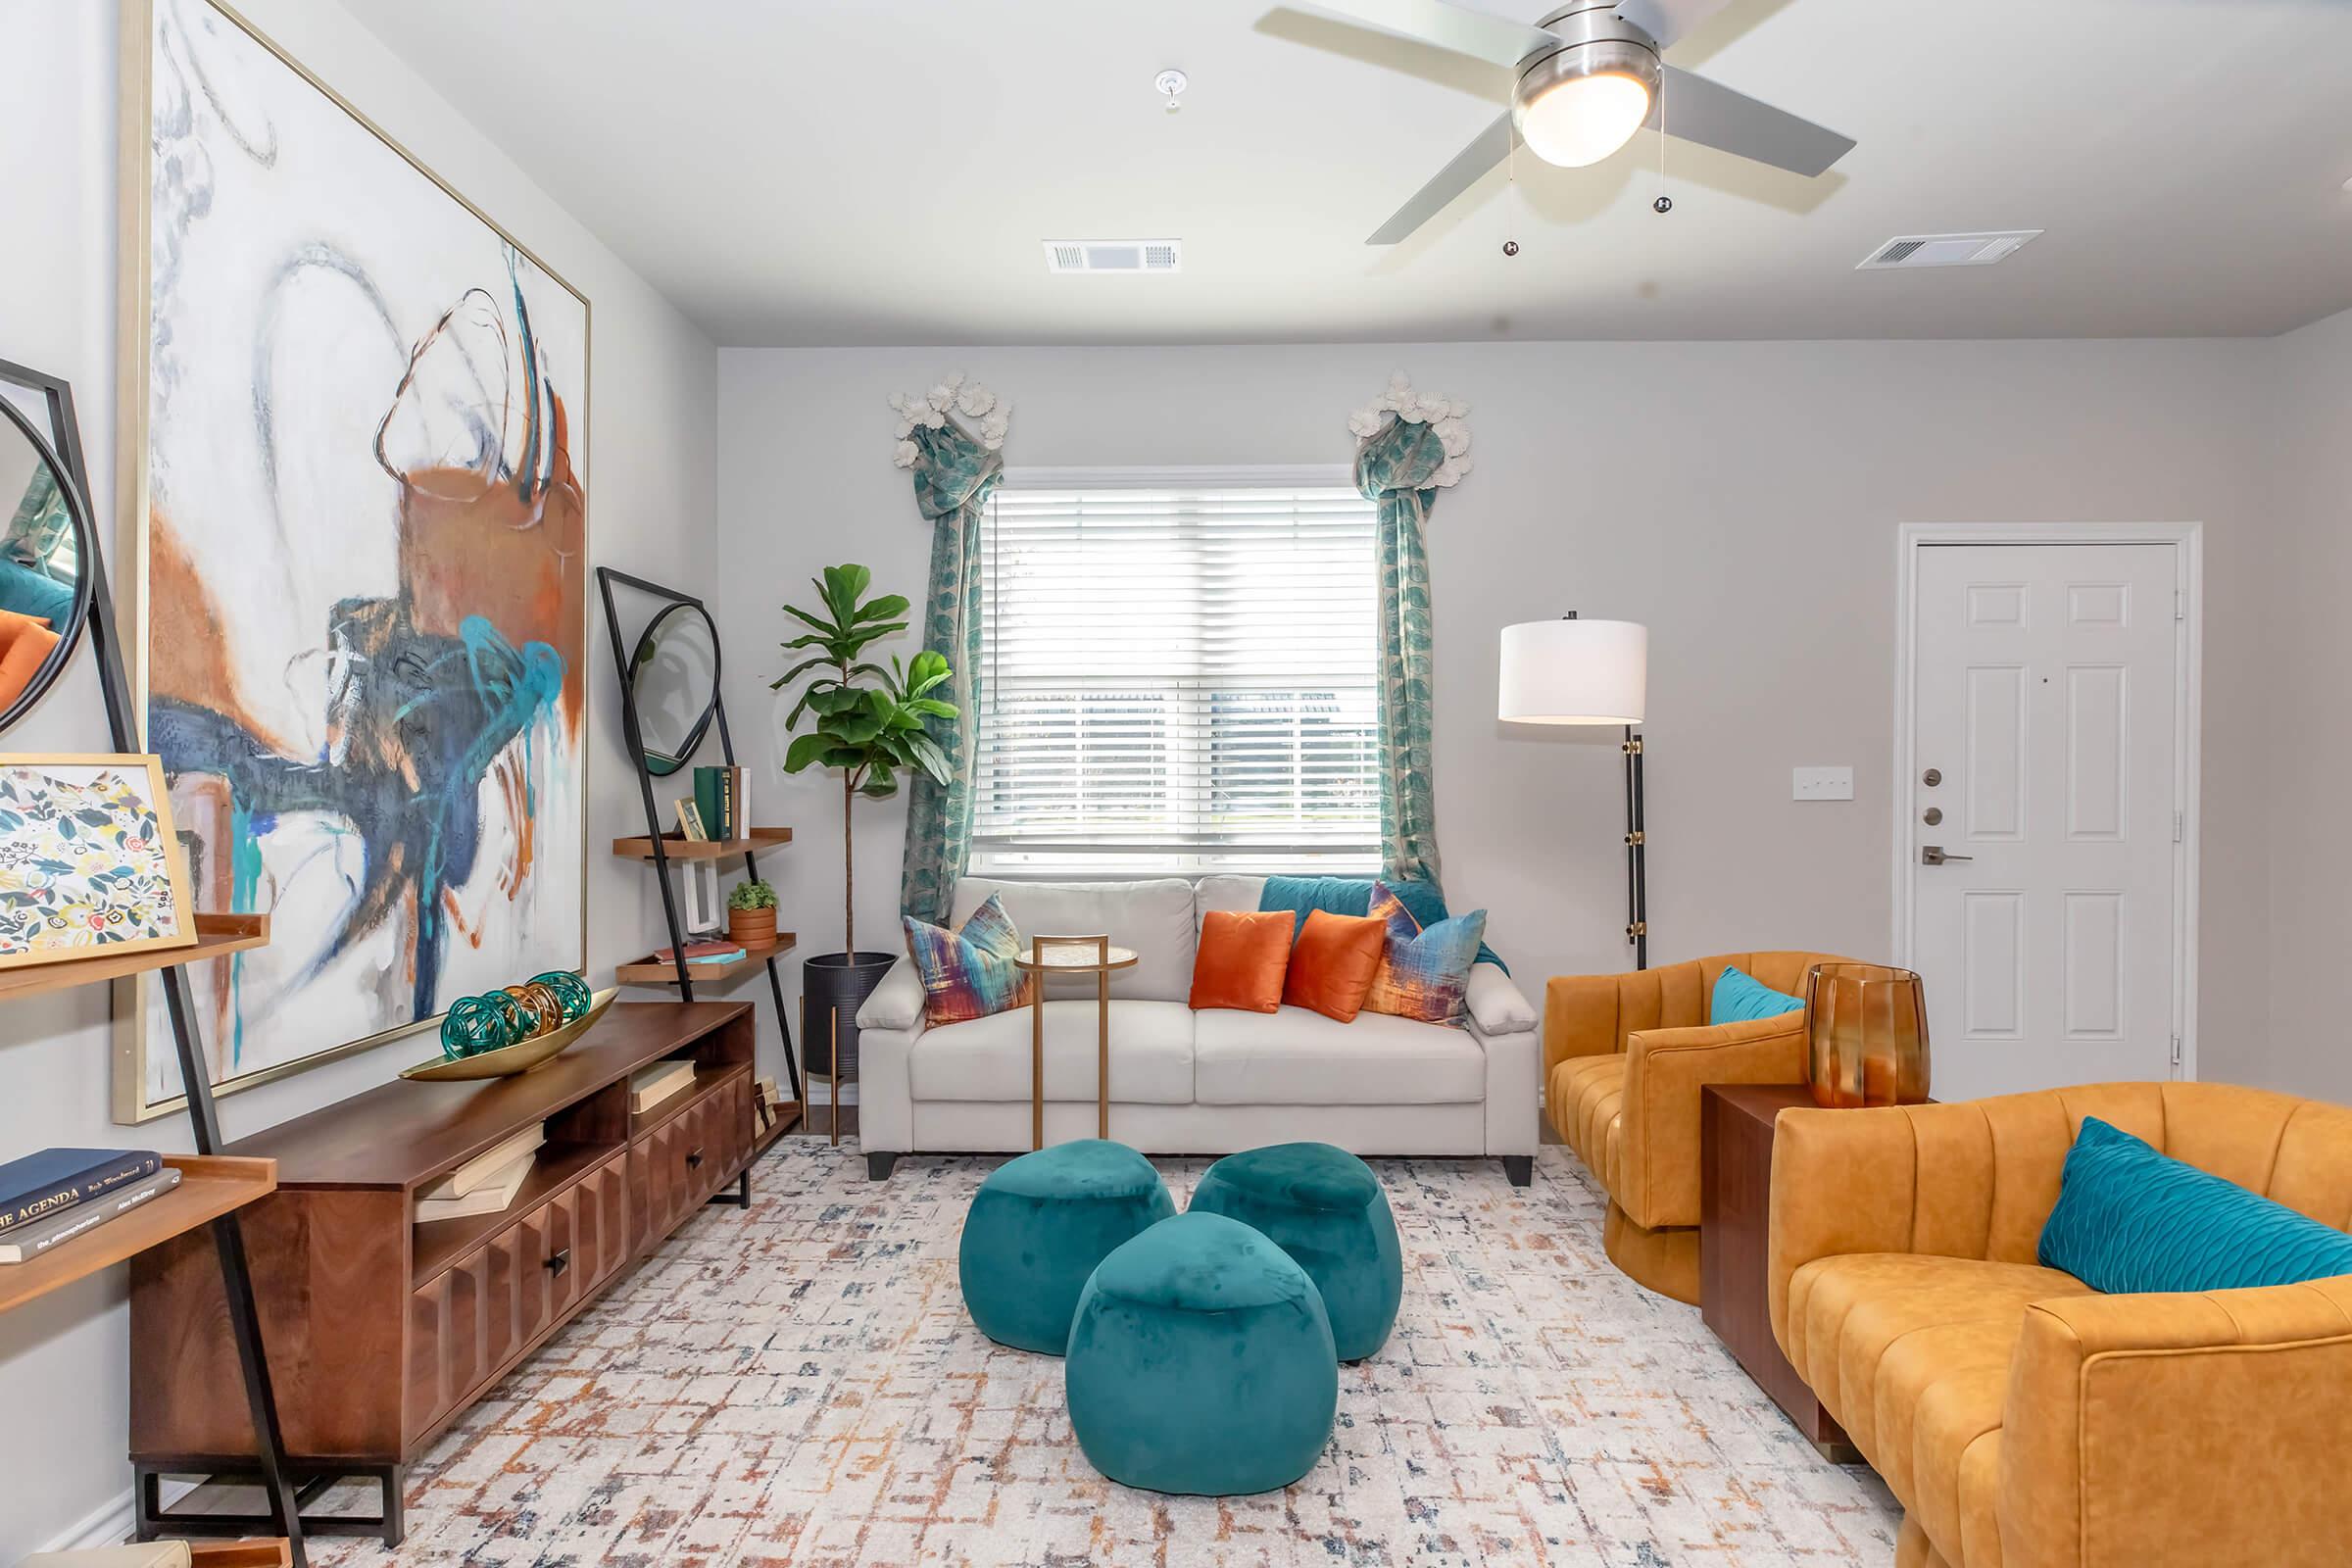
x: 2129, y: 1219
x: 1741, y: 996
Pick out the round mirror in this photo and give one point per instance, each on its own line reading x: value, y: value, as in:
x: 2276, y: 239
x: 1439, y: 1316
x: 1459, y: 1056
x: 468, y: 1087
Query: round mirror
x: 44, y: 563
x: 676, y: 680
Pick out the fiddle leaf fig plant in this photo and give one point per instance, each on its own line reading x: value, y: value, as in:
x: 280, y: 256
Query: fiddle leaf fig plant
x: 866, y: 720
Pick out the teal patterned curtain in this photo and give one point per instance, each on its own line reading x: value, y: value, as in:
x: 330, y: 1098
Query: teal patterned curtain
x: 955, y: 474
x: 1411, y: 446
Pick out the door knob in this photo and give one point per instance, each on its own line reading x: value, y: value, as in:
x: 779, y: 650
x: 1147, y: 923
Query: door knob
x: 1932, y: 817
x: 1931, y: 777
x: 1933, y: 855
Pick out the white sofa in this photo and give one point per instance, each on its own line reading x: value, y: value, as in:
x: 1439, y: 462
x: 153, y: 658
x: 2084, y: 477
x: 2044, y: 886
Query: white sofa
x: 1185, y: 1082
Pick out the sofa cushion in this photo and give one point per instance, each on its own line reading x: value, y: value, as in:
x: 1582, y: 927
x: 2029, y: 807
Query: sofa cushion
x: 1228, y: 890
x: 988, y: 1059
x: 1155, y: 917
x: 1587, y: 1100
x: 1847, y: 1312
x: 1297, y: 1057
x: 1911, y: 1354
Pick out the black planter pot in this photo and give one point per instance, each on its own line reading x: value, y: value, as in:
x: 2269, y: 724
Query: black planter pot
x: 833, y: 985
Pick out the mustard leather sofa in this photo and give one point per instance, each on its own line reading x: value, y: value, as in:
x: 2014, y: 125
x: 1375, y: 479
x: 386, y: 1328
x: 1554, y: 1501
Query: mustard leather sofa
x: 1624, y: 1056
x: 2023, y: 1420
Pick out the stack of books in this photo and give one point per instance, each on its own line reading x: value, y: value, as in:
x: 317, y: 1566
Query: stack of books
x: 768, y: 1103
x: 651, y: 1085
x: 704, y: 953
x: 721, y: 801
x: 48, y: 1198
x: 486, y: 1184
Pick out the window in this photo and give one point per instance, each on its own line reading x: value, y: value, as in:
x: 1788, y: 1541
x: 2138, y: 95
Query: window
x: 1178, y: 674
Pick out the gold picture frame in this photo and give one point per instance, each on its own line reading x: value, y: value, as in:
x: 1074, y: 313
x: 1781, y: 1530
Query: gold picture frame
x: 46, y: 900
x: 141, y: 1037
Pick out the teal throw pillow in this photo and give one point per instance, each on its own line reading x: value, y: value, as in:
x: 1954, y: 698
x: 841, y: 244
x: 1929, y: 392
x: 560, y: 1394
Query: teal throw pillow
x: 2131, y: 1220
x: 1740, y: 997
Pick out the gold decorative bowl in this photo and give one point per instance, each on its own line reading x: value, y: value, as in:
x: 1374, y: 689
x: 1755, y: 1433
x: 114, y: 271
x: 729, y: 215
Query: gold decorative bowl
x: 521, y: 1056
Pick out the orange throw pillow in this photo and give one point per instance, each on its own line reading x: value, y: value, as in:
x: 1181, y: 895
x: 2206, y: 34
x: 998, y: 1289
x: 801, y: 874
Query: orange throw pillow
x: 1243, y: 956
x: 1333, y: 965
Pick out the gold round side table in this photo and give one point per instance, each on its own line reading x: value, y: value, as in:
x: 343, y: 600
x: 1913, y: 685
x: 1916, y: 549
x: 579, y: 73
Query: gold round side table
x: 1047, y: 958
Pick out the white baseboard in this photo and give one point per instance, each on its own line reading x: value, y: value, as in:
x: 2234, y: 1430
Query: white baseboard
x: 109, y: 1524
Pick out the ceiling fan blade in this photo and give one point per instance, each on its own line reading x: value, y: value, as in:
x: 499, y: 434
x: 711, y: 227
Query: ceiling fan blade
x: 1496, y: 40
x: 1668, y: 20
x: 1490, y: 147
x: 1713, y: 116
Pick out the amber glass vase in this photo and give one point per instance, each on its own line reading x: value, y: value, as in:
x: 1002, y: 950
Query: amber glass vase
x: 1870, y: 1034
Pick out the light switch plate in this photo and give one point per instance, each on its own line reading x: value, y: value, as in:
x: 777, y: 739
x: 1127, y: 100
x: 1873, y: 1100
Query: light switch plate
x: 1821, y: 784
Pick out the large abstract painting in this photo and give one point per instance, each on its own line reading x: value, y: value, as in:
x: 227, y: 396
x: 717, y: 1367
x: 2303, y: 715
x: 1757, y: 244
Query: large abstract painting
x: 358, y: 534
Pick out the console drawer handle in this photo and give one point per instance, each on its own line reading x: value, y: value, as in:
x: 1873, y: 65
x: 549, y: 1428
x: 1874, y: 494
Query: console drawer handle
x: 560, y: 1261
x: 694, y: 1159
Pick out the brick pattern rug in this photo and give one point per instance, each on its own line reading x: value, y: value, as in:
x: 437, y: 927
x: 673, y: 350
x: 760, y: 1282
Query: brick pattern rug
x: 801, y: 1386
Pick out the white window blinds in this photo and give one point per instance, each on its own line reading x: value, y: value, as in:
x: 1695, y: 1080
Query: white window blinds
x: 1178, y: 674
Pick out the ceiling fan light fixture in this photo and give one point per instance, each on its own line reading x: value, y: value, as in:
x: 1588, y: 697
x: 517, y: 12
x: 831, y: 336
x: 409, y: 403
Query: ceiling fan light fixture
x: 1581, y: 122
x: 1578, y: 103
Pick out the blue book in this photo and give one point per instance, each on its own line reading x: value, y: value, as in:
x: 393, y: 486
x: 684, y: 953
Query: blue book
x: 56, y: 1179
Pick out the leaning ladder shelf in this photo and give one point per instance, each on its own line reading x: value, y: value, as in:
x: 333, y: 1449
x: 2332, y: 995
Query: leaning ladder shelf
x: 216, y: 935
x: 661, y: 848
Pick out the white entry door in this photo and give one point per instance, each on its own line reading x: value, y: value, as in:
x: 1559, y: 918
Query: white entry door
x: 2046, y: 801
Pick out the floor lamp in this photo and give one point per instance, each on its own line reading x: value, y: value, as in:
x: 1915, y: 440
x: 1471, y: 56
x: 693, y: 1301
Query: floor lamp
x: 1572, y: 671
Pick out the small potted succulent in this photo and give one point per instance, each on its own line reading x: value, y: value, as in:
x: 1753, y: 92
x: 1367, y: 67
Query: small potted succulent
x: 752, y: 915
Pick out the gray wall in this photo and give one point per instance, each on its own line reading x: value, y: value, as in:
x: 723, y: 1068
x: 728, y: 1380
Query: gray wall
x: 2305, y: 750
x: 63, y: 1361
x: 1743, y: 499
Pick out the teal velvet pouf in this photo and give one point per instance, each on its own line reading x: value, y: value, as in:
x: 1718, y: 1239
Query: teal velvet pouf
x: 1038, y: 1227
x: 1324, y: 1207
x: 1201, y: 1362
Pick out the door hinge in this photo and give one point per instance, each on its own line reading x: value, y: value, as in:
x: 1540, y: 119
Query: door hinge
x: 2176, y: 1050
x: 2180, y: 828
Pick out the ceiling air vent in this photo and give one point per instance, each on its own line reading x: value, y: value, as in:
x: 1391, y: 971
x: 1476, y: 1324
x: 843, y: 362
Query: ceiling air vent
x: 1130, y: 256
x: 1945, y: 250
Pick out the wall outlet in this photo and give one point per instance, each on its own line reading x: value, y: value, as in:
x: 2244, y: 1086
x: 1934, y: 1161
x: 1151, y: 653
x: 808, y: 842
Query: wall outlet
x: 1821, y: 784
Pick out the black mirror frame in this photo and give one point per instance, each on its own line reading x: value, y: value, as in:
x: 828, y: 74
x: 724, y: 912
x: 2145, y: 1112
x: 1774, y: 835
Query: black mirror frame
x: 637, y: 659
x: 63, y: 453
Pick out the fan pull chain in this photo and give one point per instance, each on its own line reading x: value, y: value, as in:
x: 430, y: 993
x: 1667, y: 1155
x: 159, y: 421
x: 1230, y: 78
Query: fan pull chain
x: 1510, y: 176
x: 1665, y: 203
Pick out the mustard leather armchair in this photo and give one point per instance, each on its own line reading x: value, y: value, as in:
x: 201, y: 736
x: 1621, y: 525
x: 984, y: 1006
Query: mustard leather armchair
x: 2025, y: 1420
x: 1624, y: 1056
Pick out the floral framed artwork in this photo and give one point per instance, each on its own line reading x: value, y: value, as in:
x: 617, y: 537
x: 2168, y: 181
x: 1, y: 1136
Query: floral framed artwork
x: 88, y: 862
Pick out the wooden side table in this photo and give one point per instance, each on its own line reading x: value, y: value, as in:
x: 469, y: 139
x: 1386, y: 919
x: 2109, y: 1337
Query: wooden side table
x: 1735, y: 1234
x: 1069, y: 955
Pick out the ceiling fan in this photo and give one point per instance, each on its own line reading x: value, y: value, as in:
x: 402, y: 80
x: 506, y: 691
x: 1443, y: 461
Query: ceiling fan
x: 1585, y: 79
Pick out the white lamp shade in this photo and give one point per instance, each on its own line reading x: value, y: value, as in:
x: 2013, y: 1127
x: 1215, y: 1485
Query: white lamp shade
x: 1574, y: 672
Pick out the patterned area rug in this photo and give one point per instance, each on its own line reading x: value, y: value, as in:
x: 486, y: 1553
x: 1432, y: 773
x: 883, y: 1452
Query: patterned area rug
x: 801, y: 1386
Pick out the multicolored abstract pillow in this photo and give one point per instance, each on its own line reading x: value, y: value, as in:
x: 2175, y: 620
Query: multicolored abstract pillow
x: 972, y: 973
x: 1423, y: 973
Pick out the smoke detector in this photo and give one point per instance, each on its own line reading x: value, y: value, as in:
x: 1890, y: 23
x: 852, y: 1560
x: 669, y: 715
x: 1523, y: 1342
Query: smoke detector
x: 1945, y: 250
x: 1130, y: 256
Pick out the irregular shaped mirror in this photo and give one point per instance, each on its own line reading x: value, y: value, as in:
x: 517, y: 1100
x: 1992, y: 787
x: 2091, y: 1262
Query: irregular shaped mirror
x: 45, y: 555
x: 676, y: 678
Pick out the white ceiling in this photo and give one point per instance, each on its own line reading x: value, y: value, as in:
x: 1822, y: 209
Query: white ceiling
x: 821, y: 172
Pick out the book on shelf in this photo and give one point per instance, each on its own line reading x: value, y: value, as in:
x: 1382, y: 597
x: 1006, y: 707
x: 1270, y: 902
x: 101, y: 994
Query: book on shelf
x: 55, y: 1179
x: 30, y: 1240
x: 649, y: 1086
x: 703, y: 952
x: 492, y: 1197
x: 485, y: 1167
